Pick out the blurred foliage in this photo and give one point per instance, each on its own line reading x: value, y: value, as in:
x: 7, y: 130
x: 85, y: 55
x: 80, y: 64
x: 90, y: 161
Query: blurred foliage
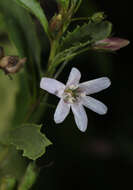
x: 8, y: 90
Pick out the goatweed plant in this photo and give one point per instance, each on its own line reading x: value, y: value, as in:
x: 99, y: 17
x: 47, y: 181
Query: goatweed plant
x: 23, y: 142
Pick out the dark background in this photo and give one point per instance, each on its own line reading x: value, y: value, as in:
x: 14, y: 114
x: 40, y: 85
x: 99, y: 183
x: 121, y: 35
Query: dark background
x: 102, y: 157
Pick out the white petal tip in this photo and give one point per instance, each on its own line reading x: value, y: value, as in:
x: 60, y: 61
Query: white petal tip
x: 57, y: 121
x: 75, y: 69
x: 107, y: 81
x: 103, y: 111
x: 42, y: 83
x: 83, y: 130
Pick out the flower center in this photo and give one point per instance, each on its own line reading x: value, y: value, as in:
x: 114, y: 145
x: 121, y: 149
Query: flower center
x: 72, y: 94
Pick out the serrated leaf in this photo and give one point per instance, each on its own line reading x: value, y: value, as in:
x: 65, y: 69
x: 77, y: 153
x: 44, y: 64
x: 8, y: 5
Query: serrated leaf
x: 28, y: 138
x: 89, y: 31
x: 80, y: 40
x: 34, y: 7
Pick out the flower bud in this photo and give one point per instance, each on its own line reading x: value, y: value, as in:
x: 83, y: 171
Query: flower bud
x: 56, y: 23
x: 110, y: 44
x: 11, y: 64
x: 98, y: 17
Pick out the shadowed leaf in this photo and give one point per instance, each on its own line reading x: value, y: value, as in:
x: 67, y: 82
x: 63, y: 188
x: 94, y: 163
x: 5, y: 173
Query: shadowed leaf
x: 28, y: 138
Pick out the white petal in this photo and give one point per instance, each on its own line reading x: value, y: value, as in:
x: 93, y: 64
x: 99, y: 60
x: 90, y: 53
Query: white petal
x: 94, y: 105
x: 74, y: 77
x: 96, y: 85
x: 80, y: 116
x: 61, y: 111
x: 52, y: 86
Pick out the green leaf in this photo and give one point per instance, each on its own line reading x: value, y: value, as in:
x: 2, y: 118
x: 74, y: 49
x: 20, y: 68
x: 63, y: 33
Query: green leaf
x: 89, y: 31
x: 80, y: 40
x: 28, y: 138
x: 34, y: 7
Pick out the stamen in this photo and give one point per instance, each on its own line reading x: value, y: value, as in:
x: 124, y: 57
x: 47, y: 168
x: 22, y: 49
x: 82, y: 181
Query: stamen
x: 72, y: 94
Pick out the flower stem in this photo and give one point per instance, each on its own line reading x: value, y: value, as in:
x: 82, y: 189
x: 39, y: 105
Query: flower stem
x: 60, y: 69
x: 54, y: 47
x: 29, y: 178
x: 80, y: 19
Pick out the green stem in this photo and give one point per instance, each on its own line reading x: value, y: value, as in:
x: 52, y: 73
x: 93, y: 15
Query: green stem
x: 29, y: 178
x: 54, y: 48
x: 60, y: 69
x: 80, y: 19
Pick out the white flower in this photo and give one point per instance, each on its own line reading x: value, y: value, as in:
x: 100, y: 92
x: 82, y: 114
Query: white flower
x: 74, y: 95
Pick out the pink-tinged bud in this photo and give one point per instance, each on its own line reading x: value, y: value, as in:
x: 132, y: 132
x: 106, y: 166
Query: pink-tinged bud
x: 56, y: 23
x: 110, y: 44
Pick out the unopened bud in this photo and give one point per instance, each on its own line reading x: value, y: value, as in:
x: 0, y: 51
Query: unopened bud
x: 11, y: 64
x: 110, y: 44
x: 98, y: 17
x: 56, y: 23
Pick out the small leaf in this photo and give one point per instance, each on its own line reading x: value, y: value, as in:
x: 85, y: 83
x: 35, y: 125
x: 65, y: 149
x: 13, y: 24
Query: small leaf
x: 89, y: 31
x: 34, y: 7
x: 70, y: 53
x: 28, y: 138
x: 81, y: 40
